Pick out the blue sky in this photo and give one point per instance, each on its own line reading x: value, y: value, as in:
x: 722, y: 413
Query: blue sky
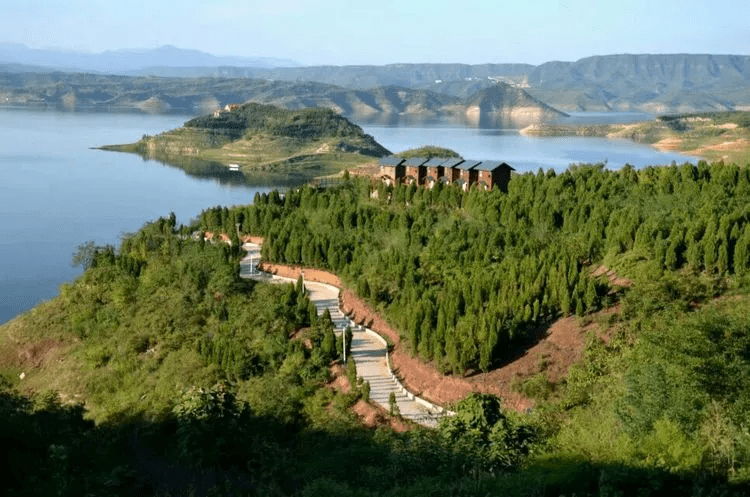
x: 385, y: 31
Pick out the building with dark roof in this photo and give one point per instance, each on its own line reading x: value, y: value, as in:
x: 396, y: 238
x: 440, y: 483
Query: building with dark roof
x: 391, y: 170
x: 434, y: 170
x: 414, y: 172
x: 466, y: 173
x: 450, y: 173
x: 493, y: 173
x: 487, y: 174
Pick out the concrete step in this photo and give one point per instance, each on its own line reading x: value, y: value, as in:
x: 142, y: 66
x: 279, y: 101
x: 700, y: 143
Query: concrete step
x: 367, y: 351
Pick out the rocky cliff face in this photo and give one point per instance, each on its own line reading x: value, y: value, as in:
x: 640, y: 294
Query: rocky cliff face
x: 505, y: 106
x: 650, y: 83
x: 498, y: 105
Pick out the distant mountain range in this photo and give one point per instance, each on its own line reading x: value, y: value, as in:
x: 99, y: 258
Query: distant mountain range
x: 656, y: 84
x: 127, y: 60
x: 647, y: 83
x: 498, y: 106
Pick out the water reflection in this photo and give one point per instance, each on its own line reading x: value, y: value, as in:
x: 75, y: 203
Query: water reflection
x: 221, y: 174
x: 524, y: 153
x: 494, y: 122
x: 484, y: 121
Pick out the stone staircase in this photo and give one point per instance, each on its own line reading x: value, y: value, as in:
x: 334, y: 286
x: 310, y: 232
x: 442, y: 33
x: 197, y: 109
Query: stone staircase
x: 368, y: 350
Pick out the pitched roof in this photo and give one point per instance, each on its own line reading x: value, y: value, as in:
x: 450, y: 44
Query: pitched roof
x: 467, y: 164
x: 391, y: 160
x: 452, y: 162
x: 415, y: 161
x: 435, y: 161
x: 491, y: 165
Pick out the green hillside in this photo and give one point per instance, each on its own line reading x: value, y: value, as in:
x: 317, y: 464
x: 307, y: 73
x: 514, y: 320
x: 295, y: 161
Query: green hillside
x: 428, y: 152
x: 472, y: 279
x: 161, y: 372
x: 263, y: 139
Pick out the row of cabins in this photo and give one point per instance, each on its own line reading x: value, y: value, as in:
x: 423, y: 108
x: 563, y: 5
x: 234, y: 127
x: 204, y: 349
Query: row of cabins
x: 487, y: 174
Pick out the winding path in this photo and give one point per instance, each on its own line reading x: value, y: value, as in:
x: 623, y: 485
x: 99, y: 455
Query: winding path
x: 368, y: 349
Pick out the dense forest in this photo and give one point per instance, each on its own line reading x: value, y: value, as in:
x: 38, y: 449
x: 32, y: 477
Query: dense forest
x: 469, y: 277
x: 180, y: 378
x: 192, y: 381
x: 177, y: 377
x: 464, y: 275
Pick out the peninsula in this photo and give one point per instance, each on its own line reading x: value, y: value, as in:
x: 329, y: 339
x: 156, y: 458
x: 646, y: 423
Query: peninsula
x: 713, y: 136
x: 262, y: 139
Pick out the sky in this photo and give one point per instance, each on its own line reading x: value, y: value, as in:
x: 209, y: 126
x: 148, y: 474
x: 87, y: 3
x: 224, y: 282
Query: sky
x: 345, y: 32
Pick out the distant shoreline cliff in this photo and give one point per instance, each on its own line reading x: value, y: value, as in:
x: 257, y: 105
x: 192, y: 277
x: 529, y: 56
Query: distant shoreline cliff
x: 500, y: 105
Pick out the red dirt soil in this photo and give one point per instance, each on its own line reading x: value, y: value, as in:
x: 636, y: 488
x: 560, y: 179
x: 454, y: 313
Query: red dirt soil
x: 30, y: 355
x: 369, y: 415
x: 339, y: 382
x: 561, y: 345
x: 375, y: 416
x: 311, y: 274
x: 614, y: 280
x: 252, y: 239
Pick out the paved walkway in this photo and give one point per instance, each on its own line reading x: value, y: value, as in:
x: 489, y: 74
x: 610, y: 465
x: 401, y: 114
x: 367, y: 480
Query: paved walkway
x: 367, y: 349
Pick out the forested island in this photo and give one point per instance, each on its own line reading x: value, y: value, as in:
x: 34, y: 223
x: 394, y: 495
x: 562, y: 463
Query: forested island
x: 160, y: 371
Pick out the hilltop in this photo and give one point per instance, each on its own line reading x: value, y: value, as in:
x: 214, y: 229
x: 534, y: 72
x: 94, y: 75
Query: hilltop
x: 502, y: 103
x: 194, y: 377
x: 259, y: 138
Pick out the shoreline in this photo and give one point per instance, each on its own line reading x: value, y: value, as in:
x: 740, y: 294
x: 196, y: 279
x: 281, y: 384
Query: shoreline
x: 610, y: 132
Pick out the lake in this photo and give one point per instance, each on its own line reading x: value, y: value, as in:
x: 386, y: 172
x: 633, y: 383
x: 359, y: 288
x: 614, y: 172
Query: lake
x: 56, y: 193
x: 525, y: 153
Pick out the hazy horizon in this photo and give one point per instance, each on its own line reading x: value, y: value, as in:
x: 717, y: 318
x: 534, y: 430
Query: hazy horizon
x: 141, y: 50
x: 335, y: 32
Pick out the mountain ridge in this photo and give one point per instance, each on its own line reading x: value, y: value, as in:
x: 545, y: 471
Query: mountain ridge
x: 123, y: 61
x: 654, y: 83
x: 651, y: 83
x: 204, y: 95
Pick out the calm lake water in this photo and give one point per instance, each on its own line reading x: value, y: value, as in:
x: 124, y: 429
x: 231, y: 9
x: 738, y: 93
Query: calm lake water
x: 525, y: 153
x: 56, y: 193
